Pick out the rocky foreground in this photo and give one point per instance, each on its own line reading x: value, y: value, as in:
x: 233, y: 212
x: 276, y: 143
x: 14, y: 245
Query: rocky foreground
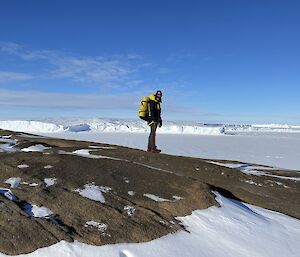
x: 53, y: 190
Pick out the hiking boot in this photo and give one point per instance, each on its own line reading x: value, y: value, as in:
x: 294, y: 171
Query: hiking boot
x: 154, y: 150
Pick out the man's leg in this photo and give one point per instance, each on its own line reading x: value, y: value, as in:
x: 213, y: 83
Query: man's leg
x: 151, y: 141
x: 155, y: 147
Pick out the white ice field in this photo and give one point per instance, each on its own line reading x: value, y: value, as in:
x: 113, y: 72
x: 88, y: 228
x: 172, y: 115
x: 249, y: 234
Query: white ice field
x: 235, y: 229
x: 273, y: 145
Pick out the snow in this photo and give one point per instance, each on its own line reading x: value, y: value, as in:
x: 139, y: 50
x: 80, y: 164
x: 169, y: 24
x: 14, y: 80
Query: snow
x: 7, y: 144
x: 14, y: 182
x: 272, y: 145
x: 29, y: 136
x: 131, y: 193
x: 94, y: 192
x: 254, y: 170
x: 30, y: 126
x: 138, y: 126
x: 278, y: 183
x: 108, y: 125
x: 7, y: 148
x: 130, y: 210
x: 251, y: 182
x: 102, y: 147
x: 276, y: 150
x: 6, y: 137
x: 31, y: 209
x: 36, y: 211
x: 100, y: 226
x: 230, y: 165
x: 49, y: 181
x: 177, y: 198
x: 33, y: 184
x: 86, y: 153
x: 35, y: 148
x: 8, y: 194
x: 263, y: 128
x: 156, y: 198
x: 235, y: 229
x: 23, y: 166
x: 7, y: 140
x: 41, y: 212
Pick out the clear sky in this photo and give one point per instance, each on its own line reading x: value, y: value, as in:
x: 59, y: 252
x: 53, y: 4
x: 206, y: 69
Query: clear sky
x: 216, y: 61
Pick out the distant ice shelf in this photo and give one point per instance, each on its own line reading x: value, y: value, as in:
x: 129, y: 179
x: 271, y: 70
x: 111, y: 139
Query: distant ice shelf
x: 78, y: 125
x: 108, y: 125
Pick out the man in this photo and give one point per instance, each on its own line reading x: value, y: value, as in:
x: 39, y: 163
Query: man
x: 154, y: 120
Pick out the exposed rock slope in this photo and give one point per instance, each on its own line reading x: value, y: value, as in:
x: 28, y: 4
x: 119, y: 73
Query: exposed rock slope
x: 54, y: 190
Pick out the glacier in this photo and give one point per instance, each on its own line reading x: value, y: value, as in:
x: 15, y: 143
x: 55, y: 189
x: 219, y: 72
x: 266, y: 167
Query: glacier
x: 139, y: 126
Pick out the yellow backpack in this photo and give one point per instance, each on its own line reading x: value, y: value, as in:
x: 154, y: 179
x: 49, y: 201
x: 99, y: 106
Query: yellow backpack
x: 144, y: 108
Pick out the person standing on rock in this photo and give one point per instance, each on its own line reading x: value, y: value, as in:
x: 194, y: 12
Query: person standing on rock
x: 150, y: 111
x: 154, y: 120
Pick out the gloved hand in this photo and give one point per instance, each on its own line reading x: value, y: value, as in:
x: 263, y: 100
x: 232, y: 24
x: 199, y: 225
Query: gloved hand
x: 160, y: 124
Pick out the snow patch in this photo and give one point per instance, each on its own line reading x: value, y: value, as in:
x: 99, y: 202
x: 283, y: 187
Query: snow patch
x: 177, y: 198
x: 23, y: 166
x: 131, y: 193
x: 277, y: 183
x: 49, y: 181
x: 41, y: 212
x: 254, y: 170
x: 6, y: 137
x: 130, y: 210
x: 102, y: 147
x: 86, y: 153
x: 102, y: 227
x: 94, y: 192
x: 36, y: 211
x: 156, y: 198
x: 251, y: 182
x: 7, y: 145
x: 35, y: 148
x: 8, y: 194
x: 14, y: 182
x: 33, y: 184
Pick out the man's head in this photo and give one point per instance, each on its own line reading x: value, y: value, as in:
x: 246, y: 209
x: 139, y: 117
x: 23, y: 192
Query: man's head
x: 158, y: 95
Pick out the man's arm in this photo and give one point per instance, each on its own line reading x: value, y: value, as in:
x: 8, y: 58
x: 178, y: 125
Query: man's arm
x: 159, y: 117
x: 152, y: 112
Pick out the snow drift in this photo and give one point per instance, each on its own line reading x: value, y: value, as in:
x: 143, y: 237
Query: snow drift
x: 234, y: 229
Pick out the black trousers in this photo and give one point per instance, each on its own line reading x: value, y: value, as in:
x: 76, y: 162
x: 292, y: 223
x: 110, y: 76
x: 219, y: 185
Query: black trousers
x: 152, y: 136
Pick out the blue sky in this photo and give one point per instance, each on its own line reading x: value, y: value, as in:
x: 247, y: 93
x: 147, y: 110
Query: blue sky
x: 216, y: 61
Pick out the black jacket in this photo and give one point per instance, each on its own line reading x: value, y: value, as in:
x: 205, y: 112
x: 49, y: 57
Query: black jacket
x: 154, y: 111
